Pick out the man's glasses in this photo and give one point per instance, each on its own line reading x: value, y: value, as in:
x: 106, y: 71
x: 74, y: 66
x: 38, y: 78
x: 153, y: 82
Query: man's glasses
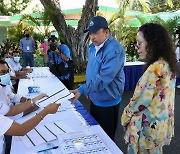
x: 2, y: 72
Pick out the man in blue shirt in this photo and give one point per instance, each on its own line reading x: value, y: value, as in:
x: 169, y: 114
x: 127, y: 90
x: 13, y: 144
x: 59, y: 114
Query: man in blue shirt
x: 104, y: 75
x: 61, y: 53
x: 27, y: 46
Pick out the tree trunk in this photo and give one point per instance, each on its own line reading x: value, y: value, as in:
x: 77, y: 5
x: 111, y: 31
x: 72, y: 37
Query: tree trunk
x: 76, y: 39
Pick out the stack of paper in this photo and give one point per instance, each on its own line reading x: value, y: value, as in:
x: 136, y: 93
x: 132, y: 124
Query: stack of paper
x: 40, y: 72
x: 58, y: 97
x: 45, y: 133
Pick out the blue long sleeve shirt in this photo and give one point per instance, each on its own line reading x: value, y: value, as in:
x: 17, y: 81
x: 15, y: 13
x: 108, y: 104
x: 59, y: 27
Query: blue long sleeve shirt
x: 66, y: 51
x: 105, y: 74
x: 27, y: 44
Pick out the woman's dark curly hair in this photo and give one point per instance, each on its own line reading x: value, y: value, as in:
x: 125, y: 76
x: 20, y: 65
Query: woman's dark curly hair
x: 159, y: 44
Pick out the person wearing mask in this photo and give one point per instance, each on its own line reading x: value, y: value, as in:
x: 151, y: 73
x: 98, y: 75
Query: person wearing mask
x: 15, y: 63
x: 27, y: 46
x: 12, y: 128
x: 148, y: 119
x: 13, y: 104
x: 19, y: 70
x: 15, y: 75
x: 104, y: 75
x: 44, y: 51
x: 60, y: 53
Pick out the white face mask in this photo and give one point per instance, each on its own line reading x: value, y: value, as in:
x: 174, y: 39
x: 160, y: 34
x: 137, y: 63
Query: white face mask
x: 46, y: 40
x: 5, y: 79
x: 16, y: 59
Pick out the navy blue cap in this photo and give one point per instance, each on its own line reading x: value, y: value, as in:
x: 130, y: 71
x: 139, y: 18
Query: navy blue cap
x: 96, y: 23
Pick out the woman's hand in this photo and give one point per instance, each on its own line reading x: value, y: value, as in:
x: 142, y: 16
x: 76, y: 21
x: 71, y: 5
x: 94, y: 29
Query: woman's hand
x: 52, y: 108
x: 39, y: 97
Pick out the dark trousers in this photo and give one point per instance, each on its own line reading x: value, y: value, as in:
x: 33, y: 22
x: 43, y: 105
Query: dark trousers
x: 69, y: 83
x: 107, y: 117
x: 8, y: 140
x: 15, y: 86
x: 28, y: 59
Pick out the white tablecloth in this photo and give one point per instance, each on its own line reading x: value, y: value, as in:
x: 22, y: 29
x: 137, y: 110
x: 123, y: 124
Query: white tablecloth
x: 69, y: 116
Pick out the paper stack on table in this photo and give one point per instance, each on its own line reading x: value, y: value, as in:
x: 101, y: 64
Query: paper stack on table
x: 58, y: 97
x: 45, y: 133
x: 40, y: 72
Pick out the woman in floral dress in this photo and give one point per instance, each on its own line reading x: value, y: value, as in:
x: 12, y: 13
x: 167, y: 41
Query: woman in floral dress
x: 148, y: 119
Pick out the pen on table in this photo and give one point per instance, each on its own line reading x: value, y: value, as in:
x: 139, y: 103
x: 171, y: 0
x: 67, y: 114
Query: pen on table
x: 55, y: 147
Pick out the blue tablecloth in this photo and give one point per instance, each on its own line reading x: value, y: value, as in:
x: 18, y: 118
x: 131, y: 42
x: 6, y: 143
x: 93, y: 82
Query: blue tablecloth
x: 132, y: 75
x: 134, y: 72
x: 86, y: 115
x: 178, y: 76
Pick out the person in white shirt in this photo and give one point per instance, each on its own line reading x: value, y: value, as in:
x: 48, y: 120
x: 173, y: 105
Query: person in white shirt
x: 13, y: 104
x: 15, y: 73
x: 12, y: 128
x: 5, y: 125
x: 15, y: 63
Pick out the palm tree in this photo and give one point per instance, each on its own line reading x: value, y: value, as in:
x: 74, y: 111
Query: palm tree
x: 126, y: 33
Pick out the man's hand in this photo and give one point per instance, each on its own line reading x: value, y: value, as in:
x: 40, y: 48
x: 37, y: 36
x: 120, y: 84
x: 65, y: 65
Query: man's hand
x: 21, y: 74
x: 57, y: 51
x: 76, y: 95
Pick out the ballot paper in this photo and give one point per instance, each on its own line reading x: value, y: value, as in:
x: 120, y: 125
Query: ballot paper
x: 45, y: 133
x: 82, y: 142
x: 58, y: 97
x: 40, y: 72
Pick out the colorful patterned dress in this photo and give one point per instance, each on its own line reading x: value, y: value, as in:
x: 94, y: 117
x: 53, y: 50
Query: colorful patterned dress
x: 149, y: 117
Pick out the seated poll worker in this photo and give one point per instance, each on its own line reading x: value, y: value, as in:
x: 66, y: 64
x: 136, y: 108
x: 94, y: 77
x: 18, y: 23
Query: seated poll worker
x: 13, y: 104
x: 15, y: 75
x: 15, y: 63
x: 12, y: 128
x: 18, y: 69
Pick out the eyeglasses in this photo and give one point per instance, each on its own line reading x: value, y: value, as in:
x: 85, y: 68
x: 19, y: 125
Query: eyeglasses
x: 138, y: 44
x: 2, y: 72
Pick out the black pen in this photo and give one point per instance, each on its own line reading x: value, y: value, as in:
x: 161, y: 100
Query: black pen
x: 55, y: 147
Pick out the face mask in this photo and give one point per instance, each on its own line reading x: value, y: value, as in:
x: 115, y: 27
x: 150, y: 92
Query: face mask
x: 8, y: 60
x: 5, y: 79
x: 27, y: 35
x: 45, y: 40
x: 16, y: 59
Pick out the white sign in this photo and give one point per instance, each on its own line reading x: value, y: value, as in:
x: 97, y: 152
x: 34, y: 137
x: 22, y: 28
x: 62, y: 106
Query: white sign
x: 4, y: 18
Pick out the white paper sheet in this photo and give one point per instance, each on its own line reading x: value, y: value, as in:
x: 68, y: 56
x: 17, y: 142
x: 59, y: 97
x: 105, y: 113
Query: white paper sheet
x: 64, y: 126
x: 53, y: 128
x: 40, y: 72
x: 45, y: 133
x: 58, y: 97
x: 33, y: 137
